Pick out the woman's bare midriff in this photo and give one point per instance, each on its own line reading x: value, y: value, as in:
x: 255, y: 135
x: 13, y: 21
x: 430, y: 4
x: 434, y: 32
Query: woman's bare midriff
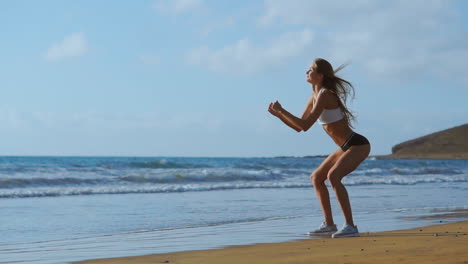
x: 339, y: 131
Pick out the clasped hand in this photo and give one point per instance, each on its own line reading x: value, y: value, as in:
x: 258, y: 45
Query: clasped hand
x: 275, y: 108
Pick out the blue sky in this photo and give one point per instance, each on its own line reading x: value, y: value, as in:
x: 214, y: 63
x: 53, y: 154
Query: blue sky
x: 195, y: 77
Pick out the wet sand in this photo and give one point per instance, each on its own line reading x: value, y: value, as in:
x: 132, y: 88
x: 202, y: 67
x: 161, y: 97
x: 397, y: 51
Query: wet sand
x: 445, y: 243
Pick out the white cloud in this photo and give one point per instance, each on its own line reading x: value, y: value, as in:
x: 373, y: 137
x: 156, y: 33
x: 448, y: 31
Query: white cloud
x: 389, y: 39
x: 247, y: 57
x: 176, y: 6
x: 313, y: 12
x: 73, y: 45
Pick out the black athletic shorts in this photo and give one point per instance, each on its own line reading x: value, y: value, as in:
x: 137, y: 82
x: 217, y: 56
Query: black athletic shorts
x: 354, y: 139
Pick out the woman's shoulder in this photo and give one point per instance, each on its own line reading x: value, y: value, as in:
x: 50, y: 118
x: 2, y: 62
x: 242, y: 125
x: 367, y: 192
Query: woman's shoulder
x: 325, y: 92
x: 328, y: 96
x: 328, y: 93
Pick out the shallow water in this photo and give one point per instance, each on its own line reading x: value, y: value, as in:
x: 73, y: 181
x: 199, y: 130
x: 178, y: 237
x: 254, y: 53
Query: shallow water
x: 57, y: 210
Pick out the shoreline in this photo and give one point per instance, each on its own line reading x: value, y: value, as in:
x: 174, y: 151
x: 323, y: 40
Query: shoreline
x: 441, y: 243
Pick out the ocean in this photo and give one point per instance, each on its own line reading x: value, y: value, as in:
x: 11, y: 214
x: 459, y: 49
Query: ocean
x: 64, y: 209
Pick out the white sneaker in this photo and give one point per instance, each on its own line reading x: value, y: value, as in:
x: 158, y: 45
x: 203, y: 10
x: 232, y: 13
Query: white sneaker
x: 323, y: 229
x: 347, y: 231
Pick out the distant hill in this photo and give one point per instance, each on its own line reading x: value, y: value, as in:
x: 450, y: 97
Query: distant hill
x: 447, y: 144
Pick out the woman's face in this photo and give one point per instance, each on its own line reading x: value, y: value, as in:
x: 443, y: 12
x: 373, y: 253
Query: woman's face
x: 312, y: 76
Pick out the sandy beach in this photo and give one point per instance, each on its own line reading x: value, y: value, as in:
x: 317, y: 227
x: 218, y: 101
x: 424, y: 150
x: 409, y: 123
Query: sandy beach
x: 445, y: 243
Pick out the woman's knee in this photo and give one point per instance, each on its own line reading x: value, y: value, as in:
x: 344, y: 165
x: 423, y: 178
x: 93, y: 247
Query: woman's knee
x: 334, y: 178
x: 317, y: 178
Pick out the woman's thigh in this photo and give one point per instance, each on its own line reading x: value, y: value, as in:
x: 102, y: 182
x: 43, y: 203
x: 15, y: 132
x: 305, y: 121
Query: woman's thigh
x: 321, y: 172
x: 348, y: 162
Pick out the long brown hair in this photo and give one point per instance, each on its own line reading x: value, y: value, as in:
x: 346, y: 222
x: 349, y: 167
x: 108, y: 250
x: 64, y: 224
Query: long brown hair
x: 342, y: 88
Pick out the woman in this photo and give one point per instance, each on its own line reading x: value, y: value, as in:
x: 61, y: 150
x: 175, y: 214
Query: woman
x: 327, y: 105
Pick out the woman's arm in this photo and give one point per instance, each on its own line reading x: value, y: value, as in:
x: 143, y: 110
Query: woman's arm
x: 299, y: 124
x: 308, y: 109
x: 287, y: 118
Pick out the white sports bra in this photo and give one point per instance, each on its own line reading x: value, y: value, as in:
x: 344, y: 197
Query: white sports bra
x: 330, y: 115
